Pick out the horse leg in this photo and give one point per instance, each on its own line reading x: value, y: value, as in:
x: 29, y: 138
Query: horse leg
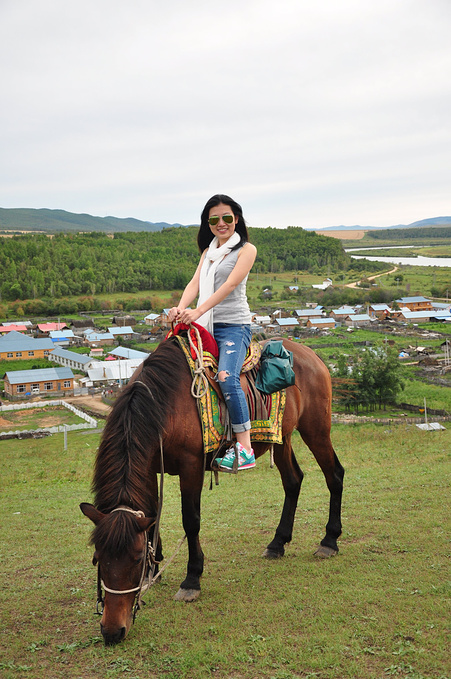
x: 191, y: 491
x: 291, y: 476
x: 318, y: 440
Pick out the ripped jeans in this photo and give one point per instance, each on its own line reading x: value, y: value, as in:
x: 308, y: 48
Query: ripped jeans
x: 233, y: 342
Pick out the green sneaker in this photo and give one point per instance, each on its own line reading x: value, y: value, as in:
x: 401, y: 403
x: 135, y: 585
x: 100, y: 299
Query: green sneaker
x: 245, y: 460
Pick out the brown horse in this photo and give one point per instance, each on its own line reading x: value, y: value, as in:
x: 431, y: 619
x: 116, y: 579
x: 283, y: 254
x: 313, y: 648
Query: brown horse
x: 157, y: 406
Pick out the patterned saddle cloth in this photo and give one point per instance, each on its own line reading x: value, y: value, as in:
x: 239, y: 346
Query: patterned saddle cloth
x: 265, y: 410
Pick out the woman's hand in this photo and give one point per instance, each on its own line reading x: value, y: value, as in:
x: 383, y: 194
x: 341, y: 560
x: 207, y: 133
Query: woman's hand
x: 173, y: 313
x: 188, y: 316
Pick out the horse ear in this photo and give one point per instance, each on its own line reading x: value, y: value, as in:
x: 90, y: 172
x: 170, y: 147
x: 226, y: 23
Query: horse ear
x: 145, y: 522
x: 91, y: 512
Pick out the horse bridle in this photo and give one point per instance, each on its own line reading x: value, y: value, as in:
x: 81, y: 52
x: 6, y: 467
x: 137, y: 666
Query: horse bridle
x: 148, y: 560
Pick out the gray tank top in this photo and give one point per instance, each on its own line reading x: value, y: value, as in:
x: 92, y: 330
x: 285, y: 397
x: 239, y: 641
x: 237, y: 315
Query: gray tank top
x: 234, y: 309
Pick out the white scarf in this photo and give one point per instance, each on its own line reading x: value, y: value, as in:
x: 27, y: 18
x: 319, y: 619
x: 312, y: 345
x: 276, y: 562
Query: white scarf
x: 213, y: 257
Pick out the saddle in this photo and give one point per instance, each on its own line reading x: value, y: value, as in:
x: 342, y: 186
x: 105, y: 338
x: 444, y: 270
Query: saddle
x: 265, y: 410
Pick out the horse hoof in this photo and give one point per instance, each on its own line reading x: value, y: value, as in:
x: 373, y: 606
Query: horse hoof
x: 271, y: 554
x: 187, y: 595
x: 325, y: 552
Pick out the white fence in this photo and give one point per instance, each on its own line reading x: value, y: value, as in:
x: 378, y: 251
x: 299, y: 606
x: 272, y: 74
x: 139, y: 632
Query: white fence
x: 89, y: 423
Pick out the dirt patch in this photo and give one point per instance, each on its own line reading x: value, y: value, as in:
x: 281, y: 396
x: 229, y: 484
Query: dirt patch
x: 343, y: 235
x: 92, y: 403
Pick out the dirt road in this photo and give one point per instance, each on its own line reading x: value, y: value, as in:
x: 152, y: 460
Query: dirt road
x: 371, y: 278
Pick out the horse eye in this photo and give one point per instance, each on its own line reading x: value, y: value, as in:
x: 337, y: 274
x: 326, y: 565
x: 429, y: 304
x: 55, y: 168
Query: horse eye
x: 95, y: 559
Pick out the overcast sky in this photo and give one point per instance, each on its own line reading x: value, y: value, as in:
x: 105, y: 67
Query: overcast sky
x: 307, y: 113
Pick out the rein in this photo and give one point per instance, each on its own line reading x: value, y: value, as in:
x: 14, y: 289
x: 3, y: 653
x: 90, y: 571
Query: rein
x: 199, y: 386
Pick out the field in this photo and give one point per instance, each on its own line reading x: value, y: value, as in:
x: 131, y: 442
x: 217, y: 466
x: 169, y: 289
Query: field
x: 37, y: 418
x: 344, y: 235
x: 377, y: 610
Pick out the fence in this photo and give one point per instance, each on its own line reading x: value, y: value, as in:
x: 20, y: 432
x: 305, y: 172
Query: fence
x: 89, y: 422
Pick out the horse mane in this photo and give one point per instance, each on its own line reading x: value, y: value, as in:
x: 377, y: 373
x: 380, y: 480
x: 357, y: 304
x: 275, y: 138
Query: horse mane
x: 132, y: 432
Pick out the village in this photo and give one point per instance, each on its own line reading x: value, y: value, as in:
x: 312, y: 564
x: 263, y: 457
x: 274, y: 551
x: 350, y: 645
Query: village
x: 108, y: 363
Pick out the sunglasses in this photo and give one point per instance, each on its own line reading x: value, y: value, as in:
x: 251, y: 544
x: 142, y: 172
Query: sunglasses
x: 228, y: 219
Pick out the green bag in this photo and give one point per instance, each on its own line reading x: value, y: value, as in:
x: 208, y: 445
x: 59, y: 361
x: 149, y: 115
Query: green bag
x: 276, y: 368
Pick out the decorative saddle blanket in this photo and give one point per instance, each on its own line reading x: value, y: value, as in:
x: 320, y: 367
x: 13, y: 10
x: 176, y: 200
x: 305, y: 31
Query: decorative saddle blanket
x: 265, y: 410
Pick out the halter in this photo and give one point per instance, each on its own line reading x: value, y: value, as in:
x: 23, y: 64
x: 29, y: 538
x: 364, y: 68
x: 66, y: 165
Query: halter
x: 148, y: 559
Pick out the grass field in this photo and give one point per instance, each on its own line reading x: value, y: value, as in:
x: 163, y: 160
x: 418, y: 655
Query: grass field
x: 377, y: 610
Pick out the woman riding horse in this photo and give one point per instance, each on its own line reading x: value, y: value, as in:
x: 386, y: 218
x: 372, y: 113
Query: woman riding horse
x: 220, y: 281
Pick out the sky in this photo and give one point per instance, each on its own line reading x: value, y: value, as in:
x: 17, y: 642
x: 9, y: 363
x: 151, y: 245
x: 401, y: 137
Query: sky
x: 311, y: 114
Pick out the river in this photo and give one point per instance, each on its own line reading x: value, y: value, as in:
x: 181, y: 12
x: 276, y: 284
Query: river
x: 414, y: 261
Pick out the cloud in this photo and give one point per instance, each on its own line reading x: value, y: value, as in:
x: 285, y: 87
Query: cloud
x: 308, y: 114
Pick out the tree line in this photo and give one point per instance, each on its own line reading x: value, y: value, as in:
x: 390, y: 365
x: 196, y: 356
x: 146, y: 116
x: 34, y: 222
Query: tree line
x: 37, y: 266
x: 409, y: 234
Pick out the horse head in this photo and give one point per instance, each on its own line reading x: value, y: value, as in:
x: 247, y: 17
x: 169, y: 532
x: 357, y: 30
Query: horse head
x: 120, y: 539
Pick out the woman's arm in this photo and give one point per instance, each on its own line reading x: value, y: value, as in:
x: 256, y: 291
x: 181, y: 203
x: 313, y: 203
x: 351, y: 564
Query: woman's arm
x: 189, y: 294
x: 245, y: 261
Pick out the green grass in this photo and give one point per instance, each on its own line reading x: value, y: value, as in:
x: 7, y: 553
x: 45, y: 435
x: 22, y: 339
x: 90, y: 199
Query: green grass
x: 25, y: 364
x: 377, y: 610
x: 437, y: 397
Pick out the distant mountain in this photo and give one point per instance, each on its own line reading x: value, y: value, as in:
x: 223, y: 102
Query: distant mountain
x: 433, y: 221
x: 51, y: 221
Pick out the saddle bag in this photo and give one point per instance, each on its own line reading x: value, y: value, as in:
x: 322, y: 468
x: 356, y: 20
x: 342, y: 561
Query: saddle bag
x: 276, y: 368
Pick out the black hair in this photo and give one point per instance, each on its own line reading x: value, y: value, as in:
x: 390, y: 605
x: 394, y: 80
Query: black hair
x: 205, y: 236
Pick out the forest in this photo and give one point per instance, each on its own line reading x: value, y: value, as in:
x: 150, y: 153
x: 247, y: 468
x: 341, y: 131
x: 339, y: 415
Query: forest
x: 413, y: 233
x: 36, y: 266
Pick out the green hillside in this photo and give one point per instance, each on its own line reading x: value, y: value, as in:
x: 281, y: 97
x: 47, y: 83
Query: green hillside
x: 35, y: 266
x: 53, y: 221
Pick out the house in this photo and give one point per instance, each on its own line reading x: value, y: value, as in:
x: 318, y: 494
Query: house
x: 321, y: 323
x: 151, y: 319
x: 286, y: 323
x: 126, y: 332
x: 380, y: 311
x: 112, y: 372
x: 96, y: 339
x: 262, y: 320
x: 62, y: 338
x: 304, y: 314
x: 342, y: 312
x: 71, y: 359
x: 438, y: 306
x: 120, y: 321
x: 123, y: 353
x: 25, y: 383
x: 43, y: 329
x: 424, y: 316
x: 327, y: 282
x: 354, y: 320
x: 163, y: 318
x: 96, y: 352
x: 14, y: 345
x: 415, y: 303
x: 27, y: 324
x: 309, y: 312
x: 17, y: 327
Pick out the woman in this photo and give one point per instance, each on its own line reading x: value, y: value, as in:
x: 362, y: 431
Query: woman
x: 222, y: 308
